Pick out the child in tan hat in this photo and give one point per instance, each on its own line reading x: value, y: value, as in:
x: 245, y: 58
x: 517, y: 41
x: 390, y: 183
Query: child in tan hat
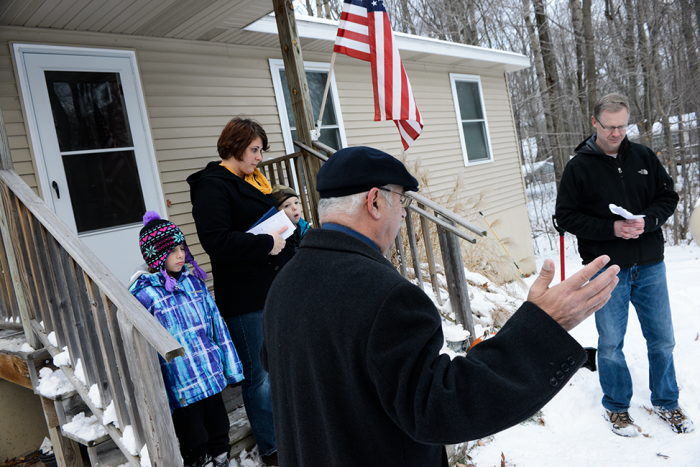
x: 288, y: 201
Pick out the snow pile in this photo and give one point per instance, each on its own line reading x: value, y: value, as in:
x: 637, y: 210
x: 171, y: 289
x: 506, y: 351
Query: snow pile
x: 52, y: 339
x: 85, y: 428
x: 145, y: 458
x: 46, y: 446
x: 26, y: 348
x: 94, y: 395
x: 129, y: 441
x: 110, y: 415
x: 53, y: 383
x: 248, y: 459
x: 62, y: 359
x: 80, y: 372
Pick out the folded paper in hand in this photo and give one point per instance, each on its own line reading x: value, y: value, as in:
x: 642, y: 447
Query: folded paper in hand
x: 273, y: 224
x: 624, y: 212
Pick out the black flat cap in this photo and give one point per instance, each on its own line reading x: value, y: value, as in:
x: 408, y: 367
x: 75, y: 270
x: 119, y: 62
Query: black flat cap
x: 359, y: 169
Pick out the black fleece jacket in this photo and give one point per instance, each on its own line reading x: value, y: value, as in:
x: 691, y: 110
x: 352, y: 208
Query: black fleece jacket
x: 634, y: 180
x: 356, y: 375
x: 224, y: 206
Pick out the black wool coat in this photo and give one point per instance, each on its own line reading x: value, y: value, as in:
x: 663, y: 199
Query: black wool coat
x: 352, y: 349
x: 224, y: 206
x: 634, y: 180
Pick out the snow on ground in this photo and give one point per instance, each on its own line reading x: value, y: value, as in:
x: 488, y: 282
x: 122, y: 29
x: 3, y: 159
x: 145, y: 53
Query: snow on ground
x: 576, y: 434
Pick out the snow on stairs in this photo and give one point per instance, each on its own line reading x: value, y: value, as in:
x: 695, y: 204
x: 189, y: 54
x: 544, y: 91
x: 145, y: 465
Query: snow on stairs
x: 73, y: 410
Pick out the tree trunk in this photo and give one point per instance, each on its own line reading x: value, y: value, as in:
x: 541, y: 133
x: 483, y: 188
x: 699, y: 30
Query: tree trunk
x: 552, y: 90
x: 547, y: 138
x: 406, y: 23
x: 591, y: 79
x: 631, y: 60
x: 577, y: 22
x: 647, y: 117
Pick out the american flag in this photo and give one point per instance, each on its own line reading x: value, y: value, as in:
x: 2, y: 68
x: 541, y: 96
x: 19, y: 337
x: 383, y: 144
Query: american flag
x: 365, y: 33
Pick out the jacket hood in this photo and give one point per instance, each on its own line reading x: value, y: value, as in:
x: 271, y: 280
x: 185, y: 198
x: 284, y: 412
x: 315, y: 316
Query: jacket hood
x: 590, y: 147
x: 213, y: 169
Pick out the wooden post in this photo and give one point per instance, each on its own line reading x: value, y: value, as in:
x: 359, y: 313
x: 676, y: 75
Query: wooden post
x: 17, y: 282
x: 151, y: 399
x: 299, y: 93
x: 414, y: 248
x: 456, y: 279
x: 5, y: 156
x: 66, y: 450
x: 425, y: 228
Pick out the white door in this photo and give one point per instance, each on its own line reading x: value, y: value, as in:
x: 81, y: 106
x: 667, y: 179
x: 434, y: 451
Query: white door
x: 92, y: 145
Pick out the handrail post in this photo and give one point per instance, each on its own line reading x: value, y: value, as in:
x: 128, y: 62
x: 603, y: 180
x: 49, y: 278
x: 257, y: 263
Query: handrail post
x: 151, y: 399
x: 456, y: 279
x: 15, y: 274
x: 298, y: 93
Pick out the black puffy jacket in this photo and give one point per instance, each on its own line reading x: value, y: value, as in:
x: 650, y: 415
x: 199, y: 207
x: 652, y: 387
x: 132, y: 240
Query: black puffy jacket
x: 636, y: 181
x: 224, y: 206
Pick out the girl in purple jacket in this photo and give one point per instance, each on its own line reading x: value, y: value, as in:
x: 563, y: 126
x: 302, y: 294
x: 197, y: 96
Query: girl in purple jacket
x: 181, y: 302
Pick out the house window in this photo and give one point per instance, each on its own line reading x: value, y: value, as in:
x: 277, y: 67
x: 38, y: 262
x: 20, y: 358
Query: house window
x: 332, y: 131
x: 473, y: 127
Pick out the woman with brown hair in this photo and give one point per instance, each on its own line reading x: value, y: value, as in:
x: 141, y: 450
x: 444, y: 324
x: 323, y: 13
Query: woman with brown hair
x: 228, y: 197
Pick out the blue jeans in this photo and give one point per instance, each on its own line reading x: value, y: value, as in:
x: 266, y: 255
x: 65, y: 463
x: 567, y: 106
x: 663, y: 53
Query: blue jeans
x: 645, y: 286
x: 247, y: 336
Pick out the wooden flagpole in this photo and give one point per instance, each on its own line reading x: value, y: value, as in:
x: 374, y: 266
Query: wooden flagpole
x: 316, y: 133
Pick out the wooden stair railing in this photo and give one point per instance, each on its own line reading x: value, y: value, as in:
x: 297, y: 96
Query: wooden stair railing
x: 67, y: 297
x: 447, y: 224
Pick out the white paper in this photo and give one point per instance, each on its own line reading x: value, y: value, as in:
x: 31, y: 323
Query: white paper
x: 624, y: 212
x: 273, y: 224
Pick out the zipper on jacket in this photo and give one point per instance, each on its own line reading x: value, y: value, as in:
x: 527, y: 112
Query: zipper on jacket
x: 618, y: 159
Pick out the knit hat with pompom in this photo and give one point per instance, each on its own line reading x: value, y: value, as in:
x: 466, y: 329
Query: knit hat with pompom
x: 157, y: 239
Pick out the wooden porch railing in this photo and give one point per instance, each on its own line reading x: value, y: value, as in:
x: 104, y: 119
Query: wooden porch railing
x: 429, y: 217
x: 57, y: 285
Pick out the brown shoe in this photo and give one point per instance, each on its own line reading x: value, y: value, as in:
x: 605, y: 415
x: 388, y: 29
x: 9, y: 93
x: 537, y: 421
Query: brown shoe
x: 622, y: 424
x: 270, y: 460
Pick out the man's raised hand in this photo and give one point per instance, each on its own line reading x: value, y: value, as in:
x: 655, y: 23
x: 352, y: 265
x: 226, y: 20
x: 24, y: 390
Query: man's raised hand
x: 572, y: 301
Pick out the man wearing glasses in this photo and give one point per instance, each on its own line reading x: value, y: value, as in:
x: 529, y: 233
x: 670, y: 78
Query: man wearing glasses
x: 609, y: 169
x: 353, y: 348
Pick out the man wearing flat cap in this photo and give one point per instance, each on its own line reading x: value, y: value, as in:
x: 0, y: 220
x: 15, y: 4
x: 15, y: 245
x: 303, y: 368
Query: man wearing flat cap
x: 353, y: 348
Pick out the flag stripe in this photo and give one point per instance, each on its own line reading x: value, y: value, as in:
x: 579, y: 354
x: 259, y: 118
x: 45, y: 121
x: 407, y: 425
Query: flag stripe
x: 365, y: 33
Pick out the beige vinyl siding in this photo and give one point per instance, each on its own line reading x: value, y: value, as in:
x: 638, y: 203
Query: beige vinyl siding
x: 439, y: 147
x: 192, y: 89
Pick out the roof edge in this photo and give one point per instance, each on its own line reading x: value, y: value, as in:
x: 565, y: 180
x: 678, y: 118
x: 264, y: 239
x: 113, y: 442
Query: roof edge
x: 323, y: 29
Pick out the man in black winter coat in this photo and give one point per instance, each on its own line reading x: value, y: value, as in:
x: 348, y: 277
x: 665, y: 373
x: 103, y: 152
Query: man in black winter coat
x: 353, y: 348
x: 609, y: 169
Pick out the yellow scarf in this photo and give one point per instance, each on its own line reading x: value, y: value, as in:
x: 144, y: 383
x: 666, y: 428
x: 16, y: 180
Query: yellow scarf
x: 257, y: 179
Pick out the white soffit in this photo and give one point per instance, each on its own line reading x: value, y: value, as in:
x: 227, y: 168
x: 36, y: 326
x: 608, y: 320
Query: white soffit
x: 323, y: 29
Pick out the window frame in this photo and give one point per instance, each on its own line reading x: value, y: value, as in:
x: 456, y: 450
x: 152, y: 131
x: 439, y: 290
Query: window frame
x: 454, y: 78
x: 275, y: 66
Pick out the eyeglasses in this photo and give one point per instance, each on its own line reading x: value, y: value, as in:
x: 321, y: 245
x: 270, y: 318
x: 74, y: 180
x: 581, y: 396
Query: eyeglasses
x: 621, y: 128
x: 405, y: 200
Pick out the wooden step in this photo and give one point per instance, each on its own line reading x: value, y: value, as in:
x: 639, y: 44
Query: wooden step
x: 97, y: 429
x: 68, y: 407
x: 106, y: 454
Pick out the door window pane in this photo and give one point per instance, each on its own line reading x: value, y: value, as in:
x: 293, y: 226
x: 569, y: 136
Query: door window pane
x: 105, y: 189
x: 88, y: 110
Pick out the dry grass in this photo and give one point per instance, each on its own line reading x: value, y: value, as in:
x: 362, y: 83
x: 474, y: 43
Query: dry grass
x: 487, y: 256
